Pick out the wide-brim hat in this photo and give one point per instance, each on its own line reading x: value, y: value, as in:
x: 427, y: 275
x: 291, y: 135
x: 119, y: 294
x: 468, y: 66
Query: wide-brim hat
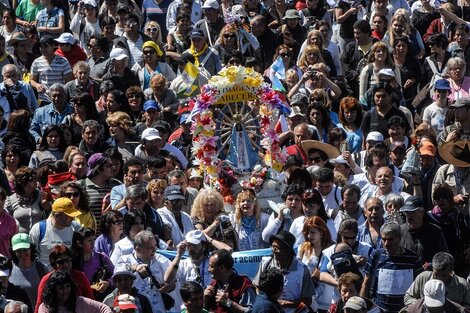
x: 456, y: 153
x: 285, y: 237
x: 17, y: 37
x: 331, y: 151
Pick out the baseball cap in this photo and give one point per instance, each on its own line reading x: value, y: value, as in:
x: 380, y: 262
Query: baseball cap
x: 65, y: 205
x: 150, y: 134
x: 197, y: 33
x: 412, y: 204
x: 427, y: 148
x: 117, y: 54
x: 460, y: 102
x: 442, y: 84
x: 295, y: 112
x: 20, y: 241
x: 434, y: 293
x: 66, y: 38
x: 396, y: 145
x: 339, y: 160
x: 122, y: 7
x: 386, y: 72
x: 123, y: 269
x: 211, y: 4
x: 173, y: 192
x: 195, y: 237
x: 356, y: 303
x: 151, y: 104
x: 375, y: 136
x: 94, y: 161
x: 90, y: 2
x: 125, y: 302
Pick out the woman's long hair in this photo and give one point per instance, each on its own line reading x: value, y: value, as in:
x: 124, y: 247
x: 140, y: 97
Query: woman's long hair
x: 54, y: 127
x: 77, y: 247
x: 306, y: 248
x: 242, y: 195
x: 49, y: 295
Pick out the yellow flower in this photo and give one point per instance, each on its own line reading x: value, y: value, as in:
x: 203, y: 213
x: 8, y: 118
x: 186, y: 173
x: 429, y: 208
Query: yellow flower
x: 277, y: 166
x: 253, y: 180
x: 211, y: 170
x: 231, y: 74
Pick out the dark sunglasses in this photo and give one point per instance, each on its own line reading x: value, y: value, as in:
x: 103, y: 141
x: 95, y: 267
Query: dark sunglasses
x: 147, y: 52
x: 153, y: 29
x: 316, y: 160
x: 134, y: 96
x: 63, y: 261
x: 75, y: 194
x: 230, y: 35
x: 284, y: 55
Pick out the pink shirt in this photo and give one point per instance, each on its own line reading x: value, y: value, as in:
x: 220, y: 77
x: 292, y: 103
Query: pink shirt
x: 83, y: 305
x: 459, y: 91
x: 8, y: 228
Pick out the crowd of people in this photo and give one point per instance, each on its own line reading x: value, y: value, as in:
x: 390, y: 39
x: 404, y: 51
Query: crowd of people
x: 104, y: 207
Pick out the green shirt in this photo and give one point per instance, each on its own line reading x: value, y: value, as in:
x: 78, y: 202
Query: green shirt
x: 28, y: 11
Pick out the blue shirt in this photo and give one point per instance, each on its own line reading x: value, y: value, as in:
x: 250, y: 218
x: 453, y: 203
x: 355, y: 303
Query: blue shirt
x: 391, y: 276
x: 364, y: 235
x: 45, y: 116
x: 263, y: 304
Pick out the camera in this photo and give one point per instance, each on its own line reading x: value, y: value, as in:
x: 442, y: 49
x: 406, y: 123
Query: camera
x: 224, y: 219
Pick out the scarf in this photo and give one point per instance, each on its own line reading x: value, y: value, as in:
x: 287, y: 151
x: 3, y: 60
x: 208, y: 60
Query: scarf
x: 249, y: 223
x: 196, y: 54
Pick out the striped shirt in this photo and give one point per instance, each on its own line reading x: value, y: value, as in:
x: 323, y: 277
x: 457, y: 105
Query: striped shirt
x: 49, y: 74
x: 390, y: 277
x: 96, y: 195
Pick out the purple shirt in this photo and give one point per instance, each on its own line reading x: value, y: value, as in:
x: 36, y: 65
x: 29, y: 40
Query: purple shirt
x: 93, y: 265
x: 104, y: 244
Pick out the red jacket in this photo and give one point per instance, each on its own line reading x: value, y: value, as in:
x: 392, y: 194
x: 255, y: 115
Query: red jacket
x: 436, y: 27
x: 73, y: 56
x: 236, y: 287
x: 296, y: 150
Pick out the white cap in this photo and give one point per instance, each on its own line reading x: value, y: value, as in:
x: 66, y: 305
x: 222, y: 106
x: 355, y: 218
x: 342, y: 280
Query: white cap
x: 195, y: 237
x: 117, y: 54
x: 434, y: 293
x: 295, y: 112
x: 375, y: 136
x: 211, y: 4
x: 386, y: 72
x: 66, y: 38
x: 150, y: 134
x: 339, y: 160
x: 90, y: 2
x: 4, y: 273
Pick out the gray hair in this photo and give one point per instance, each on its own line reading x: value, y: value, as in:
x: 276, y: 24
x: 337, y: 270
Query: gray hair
x: 136, y: 192
x: 90, y: 124
x: 177, y: 174
x: 394, y: 198
x: 443, y: 261
x: 57, y: 86
x: 374, y: 199
x: 143, y: 237
x: 13, y: 303
x: 10, y: 67
x: 455, y: 62
x: 392, y: 229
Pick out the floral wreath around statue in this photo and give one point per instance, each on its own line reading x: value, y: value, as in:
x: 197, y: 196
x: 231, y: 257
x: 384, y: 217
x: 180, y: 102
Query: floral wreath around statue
x: 204, y: 125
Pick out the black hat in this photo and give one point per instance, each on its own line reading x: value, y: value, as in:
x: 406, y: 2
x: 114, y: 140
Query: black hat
x: 46, y: 39
x: 162, y: 126
x: 285, y: 237
x: 412, y: 204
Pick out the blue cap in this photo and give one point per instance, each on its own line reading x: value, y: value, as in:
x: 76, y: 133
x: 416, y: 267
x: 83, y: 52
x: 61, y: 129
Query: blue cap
x: 197, y: 33
x: 151, y: 104
x: 184, y: 118
x: 412, y: 204
x: 173, y: 192
x: 442, y: 84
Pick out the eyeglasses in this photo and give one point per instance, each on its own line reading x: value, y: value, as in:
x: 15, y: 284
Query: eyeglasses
x: 229, y: 36
x: 134, y: 96
x: 131, y: 24
x: 312, y: 54
x: 284, y: 55
x: 63, y: 261
x: 75, y: 194
x: 349, y: 238
x: 118, y: 222
x: 147, y: 52
x: 153, y: 29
